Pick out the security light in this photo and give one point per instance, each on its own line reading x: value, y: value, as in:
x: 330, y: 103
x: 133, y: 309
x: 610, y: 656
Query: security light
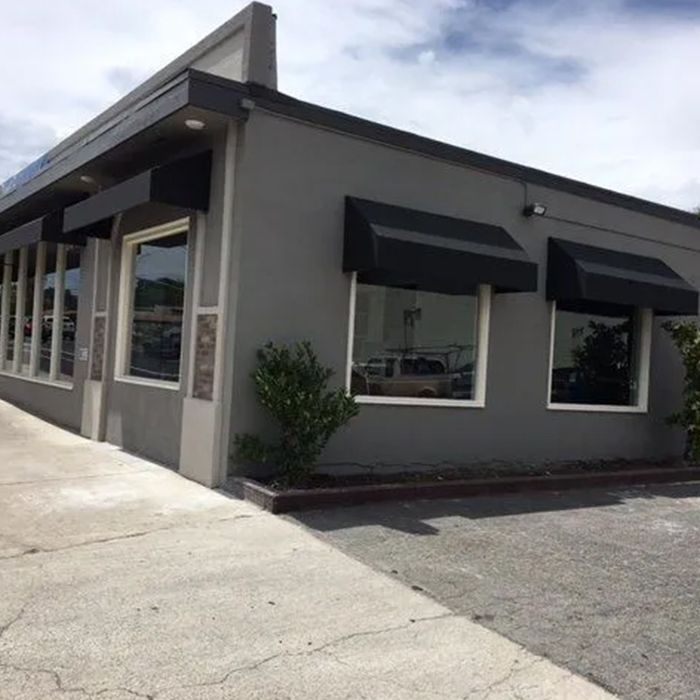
x: 87, y: 179
x: 535, y: 209
x: 194, y: 124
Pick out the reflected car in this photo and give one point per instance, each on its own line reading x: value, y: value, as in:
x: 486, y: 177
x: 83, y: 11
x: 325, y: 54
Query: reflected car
x: 409, y: 376
x: 68, y: 327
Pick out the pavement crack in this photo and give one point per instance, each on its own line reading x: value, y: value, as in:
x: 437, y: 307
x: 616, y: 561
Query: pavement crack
x: 515, y: 669
x: 368, y: 633
x: 117, y: 538
x: 62, y: 688
x: 315, y: 650
x: 5, y: 628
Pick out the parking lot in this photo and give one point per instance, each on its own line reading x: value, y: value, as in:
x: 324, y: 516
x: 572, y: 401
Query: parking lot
x: 604, y: 583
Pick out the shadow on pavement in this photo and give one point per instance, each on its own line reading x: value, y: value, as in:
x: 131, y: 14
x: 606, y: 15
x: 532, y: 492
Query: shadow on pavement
x: 411, y: 516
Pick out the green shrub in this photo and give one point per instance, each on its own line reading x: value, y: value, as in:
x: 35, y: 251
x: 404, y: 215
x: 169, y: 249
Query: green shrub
x: 293, y: 386
x: 686, y: 336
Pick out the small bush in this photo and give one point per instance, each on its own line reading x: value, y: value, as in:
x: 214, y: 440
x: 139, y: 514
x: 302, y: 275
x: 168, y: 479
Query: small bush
x: 293, y: 386
x: 686, y: 336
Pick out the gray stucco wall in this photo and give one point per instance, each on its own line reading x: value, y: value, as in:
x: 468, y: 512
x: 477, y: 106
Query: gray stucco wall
x: 290, y: 188
x: 146, y: 419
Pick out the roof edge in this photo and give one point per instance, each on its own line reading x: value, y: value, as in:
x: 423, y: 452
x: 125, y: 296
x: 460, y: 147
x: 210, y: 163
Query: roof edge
x: 279, y: 103
x: 286, y: 105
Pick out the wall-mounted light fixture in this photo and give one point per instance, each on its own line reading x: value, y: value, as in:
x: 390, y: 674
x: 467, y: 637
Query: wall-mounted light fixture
x: 535, y: 209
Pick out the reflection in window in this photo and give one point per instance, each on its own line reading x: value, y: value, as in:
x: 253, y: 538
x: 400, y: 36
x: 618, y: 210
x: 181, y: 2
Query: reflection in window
x: 594, y: 359
x: 70, y: 312
x: 27, y: 321
x: 5, y: 259
x: 158, y: 292
x: 11, y: 259
x: 410, y: 343
x: 47, y: 311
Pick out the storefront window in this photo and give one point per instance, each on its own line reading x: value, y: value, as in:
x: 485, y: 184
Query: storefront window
x: 5, y: 259
x: 595, y: 357
x: 11, y: 259
x: 412, y: 344
x: 28, y: 321
x: 32, y: 346
x: 49, y: 287
x: 70, y: 312
x: 156, y: 267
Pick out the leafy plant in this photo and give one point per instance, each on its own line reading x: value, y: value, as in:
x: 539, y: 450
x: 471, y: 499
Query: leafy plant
x: 686, y: 336
x: 292, y: 385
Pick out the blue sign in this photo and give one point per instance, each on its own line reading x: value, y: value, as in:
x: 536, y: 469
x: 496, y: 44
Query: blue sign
x: 23, y: 176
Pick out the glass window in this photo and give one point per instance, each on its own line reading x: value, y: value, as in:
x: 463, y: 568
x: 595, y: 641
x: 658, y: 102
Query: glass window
x: 70, y: 312
x: 595, y: 358
x: 414, y: 344
x: 158, y: 272
x: 11, y: 258
x: 4, y: 259
x: 2, y: 269
x: 49, y: 288
x: 28, y: 321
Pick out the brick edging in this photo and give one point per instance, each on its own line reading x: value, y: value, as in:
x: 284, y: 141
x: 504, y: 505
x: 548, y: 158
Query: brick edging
x: 307, y: 499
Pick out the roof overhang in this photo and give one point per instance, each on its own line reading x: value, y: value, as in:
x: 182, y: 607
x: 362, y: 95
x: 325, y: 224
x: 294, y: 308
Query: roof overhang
x: 399, y: 247
x: 143, y: 139
x: 580, y: 274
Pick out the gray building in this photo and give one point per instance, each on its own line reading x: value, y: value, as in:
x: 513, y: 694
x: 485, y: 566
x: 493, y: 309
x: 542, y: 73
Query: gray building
x: 480, y: 310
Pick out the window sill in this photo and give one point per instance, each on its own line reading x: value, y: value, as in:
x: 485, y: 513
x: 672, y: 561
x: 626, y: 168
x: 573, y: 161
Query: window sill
x: 595, y: 408
x: 408, y: 401
x: 66, y: 386
x: 153, y: 383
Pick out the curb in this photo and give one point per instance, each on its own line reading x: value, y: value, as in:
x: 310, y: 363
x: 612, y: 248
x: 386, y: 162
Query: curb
x: 307, y: 499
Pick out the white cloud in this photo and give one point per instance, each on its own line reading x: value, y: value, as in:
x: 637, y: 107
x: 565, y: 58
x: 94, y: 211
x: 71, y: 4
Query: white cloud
x: 604, y: 94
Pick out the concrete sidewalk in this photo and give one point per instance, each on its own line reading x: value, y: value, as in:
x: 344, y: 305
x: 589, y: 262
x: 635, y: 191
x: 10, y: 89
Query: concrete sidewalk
x: 119, y: 579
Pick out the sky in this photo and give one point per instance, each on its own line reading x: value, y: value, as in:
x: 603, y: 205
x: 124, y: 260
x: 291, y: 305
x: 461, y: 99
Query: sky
x: 604, y: 91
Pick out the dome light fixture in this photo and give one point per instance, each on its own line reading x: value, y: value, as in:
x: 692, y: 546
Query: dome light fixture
x: 195, y: 124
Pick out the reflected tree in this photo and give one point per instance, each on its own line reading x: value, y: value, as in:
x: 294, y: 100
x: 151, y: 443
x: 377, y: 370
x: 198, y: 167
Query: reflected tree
x: 604, y: 362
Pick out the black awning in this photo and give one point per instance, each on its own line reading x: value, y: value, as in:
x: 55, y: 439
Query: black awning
x: 400, y: 247
x: 583, y: 273
x: 45, y: 228
x: 183, y: 184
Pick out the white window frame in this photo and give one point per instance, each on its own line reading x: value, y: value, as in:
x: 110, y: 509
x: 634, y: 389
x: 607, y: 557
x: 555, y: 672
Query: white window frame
x: 124, y: 310
x: 644, y: 322
x: 13, y: 368
x: 7, y: 264
x: 483, y: 316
